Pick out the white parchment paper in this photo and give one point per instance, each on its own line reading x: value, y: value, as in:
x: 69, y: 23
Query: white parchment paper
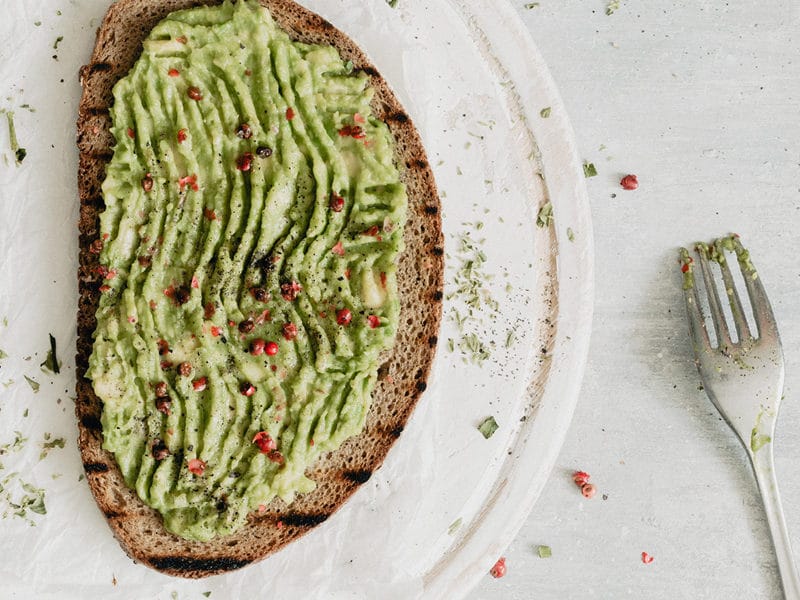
x: 386, y: 540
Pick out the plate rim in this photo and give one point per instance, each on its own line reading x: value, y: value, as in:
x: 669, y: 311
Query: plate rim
x: 513, y: 499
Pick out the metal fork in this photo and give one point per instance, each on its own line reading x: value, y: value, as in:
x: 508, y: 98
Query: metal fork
x: 744, y: 380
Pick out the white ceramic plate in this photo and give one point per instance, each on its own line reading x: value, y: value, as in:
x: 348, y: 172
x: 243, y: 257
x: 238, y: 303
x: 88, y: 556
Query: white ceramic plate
x: 435, y: 517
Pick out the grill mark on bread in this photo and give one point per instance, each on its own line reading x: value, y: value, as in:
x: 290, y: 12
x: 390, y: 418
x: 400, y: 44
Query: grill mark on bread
x: 95, y: 467
x: 308, y: 520
x: 92, y: 423
x: 188, y: 564
x: 359, y: 476
x: 398, y: 117
x: 104, y: 155
x: 97, y: 111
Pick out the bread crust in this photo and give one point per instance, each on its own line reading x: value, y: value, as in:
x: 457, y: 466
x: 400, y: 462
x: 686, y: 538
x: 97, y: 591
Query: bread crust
x: 138, y: 528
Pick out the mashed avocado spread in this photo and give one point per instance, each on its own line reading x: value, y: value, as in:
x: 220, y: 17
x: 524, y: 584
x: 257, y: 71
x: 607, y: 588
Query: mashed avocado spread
x: 252, y: 225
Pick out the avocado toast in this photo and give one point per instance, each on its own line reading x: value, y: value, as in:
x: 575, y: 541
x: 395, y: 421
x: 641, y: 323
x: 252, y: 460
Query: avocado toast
x: 254, y: 302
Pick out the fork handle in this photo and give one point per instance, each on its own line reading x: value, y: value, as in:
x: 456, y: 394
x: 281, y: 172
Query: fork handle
x: 764, y: 467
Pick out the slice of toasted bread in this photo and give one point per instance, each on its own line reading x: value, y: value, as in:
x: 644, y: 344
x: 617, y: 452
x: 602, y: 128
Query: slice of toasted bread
x: 138, y: 528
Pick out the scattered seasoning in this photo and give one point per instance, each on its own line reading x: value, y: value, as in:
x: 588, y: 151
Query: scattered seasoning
x: 163, y: 405
x: 612, y: 7
x: 206, y: 594
x: 19, y: 153
x: 244, y: 132
x: 348, y: 67
x: 257, y: 347
x: 338, y: 249
x: 34, y: 385
x: 646, y: 558
x: 629, y: 182
x: 589, y: 170
x: 392, y: 3
x: 51, y: 363
x: 244, y: 162
x: 173, y: 73
x: 260, y: 294
x: 159, y: 450
x: 580, y: 478
x: 48, y: 445
x: 570, y: 234
x: 488, y: 427
x: 200, y: 384
x: 264, y: 442
x: 247, y: 389
x: 544, y: 552
x: 374, y: 321
x: 194, y: 93
x: 454, y: 526
x: 289, y: 331
x: 588, y: 490
x: 181, y: 39
x: 545, y: 112
x: 545, y: 216
x: 190, y: 180
x: 271, y: 349
x: 247, y: 326
x: 196, y: 466
x: 181, y: 136
x: 511, y: 338
x: 476, y: 302
x: 290, y: 290
x: 336, y: 203
x: 344, y: 316
x: 499, y: 568
x: 263, y: 151
x: 147, y: 183
x: 185, y: 369
x: 289, y: 113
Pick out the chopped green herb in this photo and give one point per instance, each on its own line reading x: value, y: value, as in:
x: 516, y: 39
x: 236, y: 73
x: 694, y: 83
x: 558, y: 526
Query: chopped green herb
x: 59, y: 39
x: 530, y: 5
x: 545, y: 112
x: 51, y: 363
x: 25, y: 414
x: 206, y: 594
x: 15, y: 446
x: 3, y: 354
x: 19, y: 153
x: 34, y: 384
x: 488, y: 426
x: 392, y: 3
x: 37, y: 23
x: 544, y: 552
x: 47, y: 446
x: 589, y: 170
x: 451, y: 345
x: 454, y: 526
x: 570, y: 234
x: 612, y: 7
x: 28, y: 107
x: 348, y: 67
x: 511, y: 338
x: 58, y: 12
x: 545, y: 216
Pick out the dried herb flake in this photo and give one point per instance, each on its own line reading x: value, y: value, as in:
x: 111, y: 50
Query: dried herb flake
x: 589, y: 170
x: 33, y: 383
x: 545, y: 216
x: 51, y: 363
x: 488, y: 426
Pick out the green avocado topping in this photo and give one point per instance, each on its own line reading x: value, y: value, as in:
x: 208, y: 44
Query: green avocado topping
x: 253, y: 223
